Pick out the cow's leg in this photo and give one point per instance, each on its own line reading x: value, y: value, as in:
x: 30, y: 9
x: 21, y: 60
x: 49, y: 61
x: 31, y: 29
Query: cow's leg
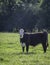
x: 44, y: 47
x: 23, y: 49
x: 47, y: 44
x: 23, y: 46
x: 27, y: 48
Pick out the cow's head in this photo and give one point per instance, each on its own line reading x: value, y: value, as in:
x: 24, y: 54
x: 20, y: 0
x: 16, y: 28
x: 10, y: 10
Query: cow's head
x: 21, y: 31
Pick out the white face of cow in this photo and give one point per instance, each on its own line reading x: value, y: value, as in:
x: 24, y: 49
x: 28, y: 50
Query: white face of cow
x: 21, y: 31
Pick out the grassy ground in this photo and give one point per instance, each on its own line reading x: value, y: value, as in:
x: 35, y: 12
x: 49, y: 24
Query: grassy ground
x: 11, y: 52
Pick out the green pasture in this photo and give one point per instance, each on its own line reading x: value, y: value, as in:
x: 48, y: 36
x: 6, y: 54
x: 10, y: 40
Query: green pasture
x: 11, y: 52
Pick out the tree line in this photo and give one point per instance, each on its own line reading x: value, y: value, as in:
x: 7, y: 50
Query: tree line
x: 27, y: 14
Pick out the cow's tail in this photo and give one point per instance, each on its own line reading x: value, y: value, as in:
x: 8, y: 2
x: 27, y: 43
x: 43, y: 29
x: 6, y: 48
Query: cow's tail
x: 46, y: 34
x: 47, y: 40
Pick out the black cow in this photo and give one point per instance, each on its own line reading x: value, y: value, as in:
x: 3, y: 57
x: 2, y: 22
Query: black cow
x: 34, y: 39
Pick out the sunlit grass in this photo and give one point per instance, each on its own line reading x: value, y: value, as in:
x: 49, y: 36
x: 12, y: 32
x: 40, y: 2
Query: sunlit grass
x: 11, y: 52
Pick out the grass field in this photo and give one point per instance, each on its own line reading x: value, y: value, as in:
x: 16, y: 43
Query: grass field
x: 11, y: 52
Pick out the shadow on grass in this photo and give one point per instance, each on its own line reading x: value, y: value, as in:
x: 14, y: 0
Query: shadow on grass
x: 2, y: 59
x: 21, y: 53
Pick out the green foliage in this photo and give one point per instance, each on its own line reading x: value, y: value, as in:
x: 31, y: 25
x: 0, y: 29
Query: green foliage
x: 6, y: 6
x: 11, y: 52
x: 24, y: 13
